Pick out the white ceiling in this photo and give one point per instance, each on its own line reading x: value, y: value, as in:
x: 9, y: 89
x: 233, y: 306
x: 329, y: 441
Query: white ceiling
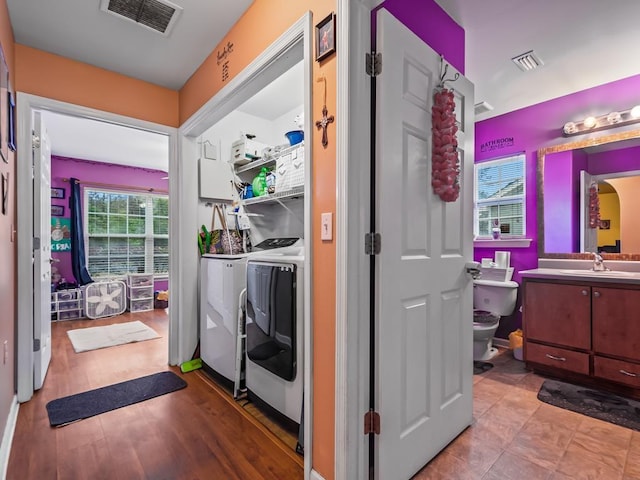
x: 279, y: 97
x: 582, y: 43
x: 106, y: 142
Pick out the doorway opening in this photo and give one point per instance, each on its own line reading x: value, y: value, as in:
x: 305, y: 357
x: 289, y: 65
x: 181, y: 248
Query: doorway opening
x: 41, y: 303
x: 251, y: 109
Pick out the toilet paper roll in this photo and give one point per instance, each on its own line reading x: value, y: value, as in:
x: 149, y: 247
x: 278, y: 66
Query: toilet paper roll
x: 503, y: 259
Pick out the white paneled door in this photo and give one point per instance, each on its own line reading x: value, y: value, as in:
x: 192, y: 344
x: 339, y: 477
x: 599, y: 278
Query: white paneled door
x: 41, y: 252
x: 424, y: 346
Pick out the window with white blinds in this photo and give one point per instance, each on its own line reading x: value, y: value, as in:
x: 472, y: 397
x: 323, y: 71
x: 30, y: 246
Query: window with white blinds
x: 500, y: 200
x: 126, y: 232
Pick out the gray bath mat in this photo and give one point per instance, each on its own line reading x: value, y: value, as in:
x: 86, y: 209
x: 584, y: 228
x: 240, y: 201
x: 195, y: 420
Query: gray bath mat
x: 594, y: 403
x: 481, y: 367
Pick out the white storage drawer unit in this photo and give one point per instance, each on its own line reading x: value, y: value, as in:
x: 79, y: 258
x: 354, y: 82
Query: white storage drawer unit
x: 140, y: 292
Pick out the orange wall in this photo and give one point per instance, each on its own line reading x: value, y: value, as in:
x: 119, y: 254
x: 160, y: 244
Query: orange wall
x: 7, y: 250
x: 260, y: 26
x: 627, y: 189
x: 52, y: 76
x: 59, y: 78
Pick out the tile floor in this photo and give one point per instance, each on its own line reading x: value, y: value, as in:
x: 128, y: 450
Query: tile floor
x: 514, y: 436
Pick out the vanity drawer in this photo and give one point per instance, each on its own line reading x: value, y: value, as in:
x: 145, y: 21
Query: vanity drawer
x: 558, y: 357
x: 617, y: 371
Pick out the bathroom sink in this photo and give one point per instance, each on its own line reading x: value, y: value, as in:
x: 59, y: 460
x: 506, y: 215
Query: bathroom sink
x: 605, y: 273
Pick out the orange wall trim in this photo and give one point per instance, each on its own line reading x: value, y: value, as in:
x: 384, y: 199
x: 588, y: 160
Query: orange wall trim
x: 52, y: 76
x: 258, y: 28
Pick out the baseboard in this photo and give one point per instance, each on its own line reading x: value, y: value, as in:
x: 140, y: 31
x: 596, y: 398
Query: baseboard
x: 500, y: 342
x: 315, y: 476
x: 7, y: 437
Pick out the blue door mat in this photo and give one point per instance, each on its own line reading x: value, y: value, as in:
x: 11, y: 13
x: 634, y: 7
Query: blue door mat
x: 65, y: 410
x: 593, y: 403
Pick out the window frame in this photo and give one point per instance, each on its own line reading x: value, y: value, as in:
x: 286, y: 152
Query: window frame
x: 148, y: 237
x: 521, y: 157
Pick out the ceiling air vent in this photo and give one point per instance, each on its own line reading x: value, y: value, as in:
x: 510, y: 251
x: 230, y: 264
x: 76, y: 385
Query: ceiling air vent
x: 159, y: 16
x: 482, y: 107
x: 527, y: 61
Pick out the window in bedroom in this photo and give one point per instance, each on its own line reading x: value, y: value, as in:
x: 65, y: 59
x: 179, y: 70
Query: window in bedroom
x: 126, y: 232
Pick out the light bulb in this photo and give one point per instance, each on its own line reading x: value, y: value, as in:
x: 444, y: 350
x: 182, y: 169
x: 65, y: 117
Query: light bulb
x: 635, y: 112
x: 614, y: 117
x: 570, y: 127
x: 590, y: 122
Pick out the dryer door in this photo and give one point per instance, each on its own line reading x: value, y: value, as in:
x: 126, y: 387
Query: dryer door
x: 271, y: 317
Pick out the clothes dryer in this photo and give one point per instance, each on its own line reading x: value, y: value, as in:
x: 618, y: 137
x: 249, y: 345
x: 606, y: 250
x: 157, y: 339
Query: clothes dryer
x: 222, y: 279
x: 275, y: 332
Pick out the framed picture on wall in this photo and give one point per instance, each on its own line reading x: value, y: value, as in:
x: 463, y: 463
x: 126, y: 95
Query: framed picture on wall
x: 11, y: 120
x: 326, y: 37
x: 5, y: 193
x: 57, y: 192
x: 57, y: 211
x: 4, y: 112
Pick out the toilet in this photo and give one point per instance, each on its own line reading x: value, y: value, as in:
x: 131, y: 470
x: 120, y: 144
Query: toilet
x: 492, y: 299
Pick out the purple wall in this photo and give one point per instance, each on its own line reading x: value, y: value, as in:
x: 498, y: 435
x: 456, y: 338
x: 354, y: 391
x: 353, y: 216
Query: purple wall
x: 432, y: 24
x: 88, y: 171
x: 622, y: 160
x: 535, y: 127
x: 558, y: 171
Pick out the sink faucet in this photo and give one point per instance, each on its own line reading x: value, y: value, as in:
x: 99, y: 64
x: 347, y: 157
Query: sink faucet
x: 598, y: 263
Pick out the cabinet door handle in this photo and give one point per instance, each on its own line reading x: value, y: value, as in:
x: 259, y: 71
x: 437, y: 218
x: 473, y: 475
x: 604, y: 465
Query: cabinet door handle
x: 628, y: 374
x: 596, y: 294
x: 553, y: 357
x: 584, y: 292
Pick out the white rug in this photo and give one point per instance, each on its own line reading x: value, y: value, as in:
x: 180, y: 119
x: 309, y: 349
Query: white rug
x: 92, y: 338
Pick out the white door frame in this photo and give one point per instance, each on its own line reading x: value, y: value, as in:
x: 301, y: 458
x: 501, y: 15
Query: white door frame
x: 352, y: 222
x: 26, y: 104
x: 264, y: 69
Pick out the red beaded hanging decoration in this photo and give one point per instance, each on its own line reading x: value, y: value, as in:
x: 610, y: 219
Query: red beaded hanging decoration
x: 445, y: 164
x: 594, y: 206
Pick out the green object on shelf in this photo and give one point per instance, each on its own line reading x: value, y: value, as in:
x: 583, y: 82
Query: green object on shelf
x: 191, y: 365
x: 259, y: 183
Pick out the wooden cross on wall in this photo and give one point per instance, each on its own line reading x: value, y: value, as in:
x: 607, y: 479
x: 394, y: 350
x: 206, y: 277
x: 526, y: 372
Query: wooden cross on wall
x: 323, y: 123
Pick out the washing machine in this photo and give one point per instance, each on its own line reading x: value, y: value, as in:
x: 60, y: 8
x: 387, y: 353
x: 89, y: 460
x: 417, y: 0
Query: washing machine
x: 222, y: 279
x: 275, y: 332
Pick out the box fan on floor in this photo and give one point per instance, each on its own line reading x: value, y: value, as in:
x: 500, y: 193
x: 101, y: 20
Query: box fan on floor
x: 105, y: 299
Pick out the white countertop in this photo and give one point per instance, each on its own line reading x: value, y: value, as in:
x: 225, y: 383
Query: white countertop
x: 583, y: 274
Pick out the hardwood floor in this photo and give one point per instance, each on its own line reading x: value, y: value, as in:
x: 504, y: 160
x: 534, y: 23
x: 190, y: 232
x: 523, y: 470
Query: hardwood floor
x: 200, y: 432
x: 194, y: 433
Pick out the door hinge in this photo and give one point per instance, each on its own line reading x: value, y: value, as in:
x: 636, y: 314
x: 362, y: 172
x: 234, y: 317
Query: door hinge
x: 372, y: 243
x: 372, y: 422
x: 35, y: 141
x: 36, y: 243
x: 36, y: 344
x: 373, y: 65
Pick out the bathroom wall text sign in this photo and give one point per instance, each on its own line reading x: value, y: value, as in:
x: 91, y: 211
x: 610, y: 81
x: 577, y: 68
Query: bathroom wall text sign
x: 496, y: 144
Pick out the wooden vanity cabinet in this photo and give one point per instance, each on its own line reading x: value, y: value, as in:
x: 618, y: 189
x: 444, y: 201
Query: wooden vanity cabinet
x: 616, y: 326
x: 558, y: 314
x: 583, y: 328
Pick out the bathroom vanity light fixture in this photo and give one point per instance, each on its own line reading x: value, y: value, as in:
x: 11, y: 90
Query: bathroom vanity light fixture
x: 608, y: 120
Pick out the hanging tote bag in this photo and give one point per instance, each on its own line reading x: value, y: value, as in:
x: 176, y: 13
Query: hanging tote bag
x: 223, y: 239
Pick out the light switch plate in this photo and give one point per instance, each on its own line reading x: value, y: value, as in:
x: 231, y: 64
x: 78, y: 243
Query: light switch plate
x: 326, y: 226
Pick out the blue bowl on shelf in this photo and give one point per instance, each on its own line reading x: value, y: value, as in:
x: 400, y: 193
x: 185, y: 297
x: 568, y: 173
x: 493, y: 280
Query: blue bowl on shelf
x: 294, y: 136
